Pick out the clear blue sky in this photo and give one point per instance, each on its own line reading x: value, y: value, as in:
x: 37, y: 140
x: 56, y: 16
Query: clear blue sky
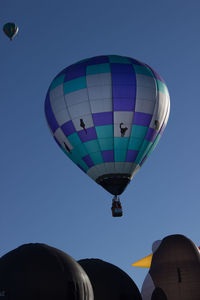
x: 44, y: 197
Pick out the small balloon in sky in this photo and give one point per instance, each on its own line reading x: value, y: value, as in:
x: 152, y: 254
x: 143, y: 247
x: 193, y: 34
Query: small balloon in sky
x: 10, y: 29
x: 107, y: 114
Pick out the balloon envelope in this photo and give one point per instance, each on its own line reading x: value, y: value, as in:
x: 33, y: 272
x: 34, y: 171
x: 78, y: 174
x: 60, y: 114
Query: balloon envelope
x: 109, y: 282
x: 175, y: 271
x: 10, y: 29
x: 107, y: 114
x: 38, y: 271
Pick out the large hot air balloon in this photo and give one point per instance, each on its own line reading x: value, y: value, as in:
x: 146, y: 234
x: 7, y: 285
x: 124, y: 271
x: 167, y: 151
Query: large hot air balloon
x: 107, y: 113
x: 174, y: 272
x: 38, y: 271
x: 109, y: 282
x: 10, y: 29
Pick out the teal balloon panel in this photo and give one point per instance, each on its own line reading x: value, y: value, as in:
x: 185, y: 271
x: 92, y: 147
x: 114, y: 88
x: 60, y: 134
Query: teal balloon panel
x: 107, y: 114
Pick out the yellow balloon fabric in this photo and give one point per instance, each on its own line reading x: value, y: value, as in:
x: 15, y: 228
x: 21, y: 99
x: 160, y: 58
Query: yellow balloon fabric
x: 144, y: 262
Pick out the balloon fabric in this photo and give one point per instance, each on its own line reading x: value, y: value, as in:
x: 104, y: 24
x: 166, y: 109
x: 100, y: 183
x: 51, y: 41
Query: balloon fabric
x: 107, y: 114
x: 108, y: 281
x: 38, y: 271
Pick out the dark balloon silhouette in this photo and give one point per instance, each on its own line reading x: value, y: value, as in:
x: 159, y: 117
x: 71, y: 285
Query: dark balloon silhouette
x: 10, y: 29
x: 109, y: 282
x: 174, y: 272
x: 40, y: 272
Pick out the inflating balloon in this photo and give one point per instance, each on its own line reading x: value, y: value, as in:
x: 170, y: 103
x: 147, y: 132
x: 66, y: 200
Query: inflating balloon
x: 107, y: 113
x: 174, y: 270
x: 108, y: 281
x: 38, y: 271
x: 10, y: 29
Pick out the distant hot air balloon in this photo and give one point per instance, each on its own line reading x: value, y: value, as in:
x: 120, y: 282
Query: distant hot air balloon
x: 107, y: 113
x: 38, y: 271
x: 10, y: 29
x: 174, y: 272
x: 108, y: 281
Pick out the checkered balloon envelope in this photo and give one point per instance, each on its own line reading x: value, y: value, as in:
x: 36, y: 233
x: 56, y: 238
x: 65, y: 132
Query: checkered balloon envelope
x: 107, y: 114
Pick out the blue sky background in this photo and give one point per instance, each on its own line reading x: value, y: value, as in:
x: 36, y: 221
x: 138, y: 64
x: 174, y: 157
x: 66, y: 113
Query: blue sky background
x: 44, y: 197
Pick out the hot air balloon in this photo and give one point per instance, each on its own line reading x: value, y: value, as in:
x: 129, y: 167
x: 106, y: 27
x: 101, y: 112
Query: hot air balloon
x: 108, y: 281
x: 10, y: 29
x: 107, y: 113
x: 38, y: 271
x: 174, y: 272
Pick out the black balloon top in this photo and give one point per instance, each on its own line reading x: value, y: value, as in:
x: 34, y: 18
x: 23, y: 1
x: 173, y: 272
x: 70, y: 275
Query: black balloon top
x: 38, y: 271
x: 109, y: 282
